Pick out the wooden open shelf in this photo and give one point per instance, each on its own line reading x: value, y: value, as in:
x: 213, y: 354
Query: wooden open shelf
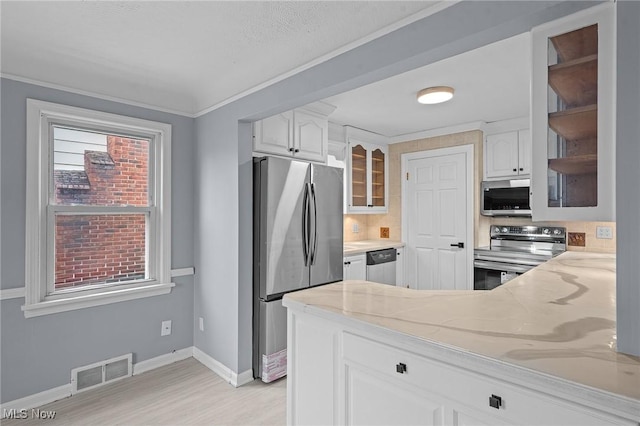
x: 576, y: 44
x: 578, y: 165
x: 575, y: 123
x: 576, y: 81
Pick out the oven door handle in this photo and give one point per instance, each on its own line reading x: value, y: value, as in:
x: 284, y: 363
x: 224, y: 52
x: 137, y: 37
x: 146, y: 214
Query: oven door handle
x: 494, y: 266
x: 500, y: 260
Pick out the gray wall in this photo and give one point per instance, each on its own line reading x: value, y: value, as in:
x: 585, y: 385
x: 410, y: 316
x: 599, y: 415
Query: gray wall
x: 628, y: 177
x: 39, y: 353
x: 223, y: 243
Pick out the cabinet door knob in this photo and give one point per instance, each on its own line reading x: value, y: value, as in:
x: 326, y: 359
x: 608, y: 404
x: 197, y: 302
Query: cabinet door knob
x: 515, y: 170
x: 521, y: 169
x: 401, y: 368
x: 495, y: 401
x: 290, y: 149
x: 296, y: 150
x: 369, y: 205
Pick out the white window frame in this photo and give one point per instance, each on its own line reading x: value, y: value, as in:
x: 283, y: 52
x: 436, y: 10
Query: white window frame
x: 40, y: 211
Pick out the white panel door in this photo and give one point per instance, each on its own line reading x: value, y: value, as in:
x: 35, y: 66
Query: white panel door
x: 436, y: 220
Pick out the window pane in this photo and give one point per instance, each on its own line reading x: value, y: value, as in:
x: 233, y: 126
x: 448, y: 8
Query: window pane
x: 99, y: 249
x: 92, y: 168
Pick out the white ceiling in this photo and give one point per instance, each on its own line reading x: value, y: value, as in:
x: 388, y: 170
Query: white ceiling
x: 491, y: 84
x: 184, y: 57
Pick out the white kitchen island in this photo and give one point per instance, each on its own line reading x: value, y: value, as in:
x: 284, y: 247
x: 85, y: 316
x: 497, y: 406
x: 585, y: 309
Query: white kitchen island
x: 538, y: 350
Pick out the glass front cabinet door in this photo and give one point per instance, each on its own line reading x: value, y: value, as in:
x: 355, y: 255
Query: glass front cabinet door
x: 573, y: 105
x: 368, y: 177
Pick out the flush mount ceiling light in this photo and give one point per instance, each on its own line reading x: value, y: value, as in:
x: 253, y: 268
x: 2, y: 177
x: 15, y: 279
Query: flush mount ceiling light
x: 435, y: 95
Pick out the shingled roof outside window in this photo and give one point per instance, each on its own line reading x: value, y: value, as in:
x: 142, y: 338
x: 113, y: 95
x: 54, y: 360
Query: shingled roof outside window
x: 71, y: 179
x: 100, y: 158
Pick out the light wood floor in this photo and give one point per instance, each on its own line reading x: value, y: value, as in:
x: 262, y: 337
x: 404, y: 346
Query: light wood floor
x: 183, y: 393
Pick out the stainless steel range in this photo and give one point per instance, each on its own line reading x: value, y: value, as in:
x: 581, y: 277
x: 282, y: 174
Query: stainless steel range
x: 513, y: 250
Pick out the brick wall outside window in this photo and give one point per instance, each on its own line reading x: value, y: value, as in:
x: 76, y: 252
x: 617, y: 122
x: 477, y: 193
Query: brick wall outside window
x: 103, y: 248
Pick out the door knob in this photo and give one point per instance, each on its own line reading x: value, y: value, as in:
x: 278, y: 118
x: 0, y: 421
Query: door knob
x: 459, y: 245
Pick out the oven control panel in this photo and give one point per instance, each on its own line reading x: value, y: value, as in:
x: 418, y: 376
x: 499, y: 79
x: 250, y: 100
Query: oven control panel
x: 501, y: 231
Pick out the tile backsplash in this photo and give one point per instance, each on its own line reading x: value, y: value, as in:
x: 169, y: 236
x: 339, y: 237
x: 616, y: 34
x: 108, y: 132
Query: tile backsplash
x: 357, y: 222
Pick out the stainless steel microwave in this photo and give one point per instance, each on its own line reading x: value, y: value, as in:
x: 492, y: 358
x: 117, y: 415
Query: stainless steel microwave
x: 506, y: 198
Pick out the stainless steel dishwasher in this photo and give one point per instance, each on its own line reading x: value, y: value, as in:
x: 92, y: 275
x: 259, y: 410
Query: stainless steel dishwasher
x: 381, y: 266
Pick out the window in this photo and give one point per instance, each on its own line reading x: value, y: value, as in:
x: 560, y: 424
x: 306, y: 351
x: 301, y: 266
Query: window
x: 98, y: 208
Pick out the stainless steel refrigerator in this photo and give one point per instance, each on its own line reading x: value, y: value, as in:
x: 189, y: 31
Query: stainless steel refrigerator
x: 297, y: 244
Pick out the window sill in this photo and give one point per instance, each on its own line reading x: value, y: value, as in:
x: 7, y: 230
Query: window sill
x: 96, y: 299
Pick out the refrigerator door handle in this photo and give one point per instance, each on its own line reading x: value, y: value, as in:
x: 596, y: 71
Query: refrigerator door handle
x: 305, y: 224
x: 314, y: 244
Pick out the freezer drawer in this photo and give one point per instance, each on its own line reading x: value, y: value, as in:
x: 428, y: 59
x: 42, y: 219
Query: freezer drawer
x: 270, y: 346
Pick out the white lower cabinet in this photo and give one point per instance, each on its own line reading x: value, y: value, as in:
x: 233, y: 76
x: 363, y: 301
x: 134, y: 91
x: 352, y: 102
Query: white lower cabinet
x: 373, y: 399
x: 355, y: 267
x: 339, y: 376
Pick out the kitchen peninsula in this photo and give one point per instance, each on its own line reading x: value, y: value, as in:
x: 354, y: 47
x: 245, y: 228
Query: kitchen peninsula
x: 538, y: 350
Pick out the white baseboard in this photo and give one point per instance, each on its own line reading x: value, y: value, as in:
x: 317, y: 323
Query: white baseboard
x: 55, y: 394
x: 36, y: 400
x: 162, y: 360
x: 64, y: 391
x: 222, y: 370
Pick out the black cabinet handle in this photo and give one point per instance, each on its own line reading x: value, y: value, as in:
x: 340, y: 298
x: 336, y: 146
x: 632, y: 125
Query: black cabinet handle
x: 290, y: 149
x: 296, y: 150
x: 347, y: 263
x: 521, y: 169
x: 369, y: 205
x: 495, y: 401
x: 459, y: 245
x: 515, y: 170
x: 401, y: 368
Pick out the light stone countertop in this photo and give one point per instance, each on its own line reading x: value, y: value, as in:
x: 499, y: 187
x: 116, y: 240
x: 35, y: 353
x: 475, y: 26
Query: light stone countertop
x: 359, y: 247
x: 557, y: 319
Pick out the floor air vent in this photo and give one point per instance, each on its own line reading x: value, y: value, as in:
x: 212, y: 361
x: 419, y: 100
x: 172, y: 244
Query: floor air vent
x: 100, y: 373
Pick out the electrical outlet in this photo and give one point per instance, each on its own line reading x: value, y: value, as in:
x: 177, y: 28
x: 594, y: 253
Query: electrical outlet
x: 355, y: 228
x: 201, y: 323
x: 384, y: 232
x: 166, y: 328
x: 604, y: 232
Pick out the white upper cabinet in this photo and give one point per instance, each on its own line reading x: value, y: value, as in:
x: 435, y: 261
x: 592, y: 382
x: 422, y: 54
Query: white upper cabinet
x: 524, y: 152
x: 310, y: 136
x: 507, y: 155
x: 367, y: 172
x: 573, y: 117
x: 301, y: 133
x: 274, y: 135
